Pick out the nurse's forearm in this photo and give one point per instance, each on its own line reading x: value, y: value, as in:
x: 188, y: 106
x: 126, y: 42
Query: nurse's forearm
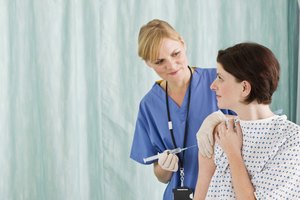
x: 241, y: 182
x: 162, y: 175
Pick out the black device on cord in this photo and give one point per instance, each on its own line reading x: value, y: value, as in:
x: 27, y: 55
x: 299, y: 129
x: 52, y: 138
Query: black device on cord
x: 181, y: 193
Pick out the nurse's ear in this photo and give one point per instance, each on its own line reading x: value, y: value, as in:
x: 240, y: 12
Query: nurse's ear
x: 245, y: 88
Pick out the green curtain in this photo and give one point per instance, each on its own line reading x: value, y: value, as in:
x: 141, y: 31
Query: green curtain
x: 297, y: 64
x: 293, y: 50
x: 71, y: 82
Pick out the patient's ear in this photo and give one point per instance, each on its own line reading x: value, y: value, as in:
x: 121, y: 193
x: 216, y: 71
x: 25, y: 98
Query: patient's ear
x: 246, y: 88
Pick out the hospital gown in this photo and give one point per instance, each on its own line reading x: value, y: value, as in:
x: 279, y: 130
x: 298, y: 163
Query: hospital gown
x: 152, y: 134
x: 271, y: 152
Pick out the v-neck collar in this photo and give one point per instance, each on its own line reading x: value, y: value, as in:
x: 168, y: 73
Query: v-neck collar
x: 173, y: 105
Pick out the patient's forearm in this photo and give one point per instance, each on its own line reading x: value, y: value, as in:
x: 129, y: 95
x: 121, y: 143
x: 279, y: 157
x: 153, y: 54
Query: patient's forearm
x: 242, y: 185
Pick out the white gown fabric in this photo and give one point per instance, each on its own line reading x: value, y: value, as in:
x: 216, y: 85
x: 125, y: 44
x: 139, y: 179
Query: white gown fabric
x: 271, y: 151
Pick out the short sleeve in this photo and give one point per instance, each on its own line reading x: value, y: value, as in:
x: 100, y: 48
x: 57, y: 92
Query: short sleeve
x: 142, y: 146
x: 220, y: 157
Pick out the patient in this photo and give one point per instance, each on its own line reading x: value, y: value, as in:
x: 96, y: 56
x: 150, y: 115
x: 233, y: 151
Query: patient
x: 258, y: 155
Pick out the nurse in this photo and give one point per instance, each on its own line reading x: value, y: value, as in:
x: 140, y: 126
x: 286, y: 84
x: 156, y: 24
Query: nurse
x: 171, y: 113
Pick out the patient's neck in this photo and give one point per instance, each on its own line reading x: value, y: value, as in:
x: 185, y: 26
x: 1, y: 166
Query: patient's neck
x: 254, y: 111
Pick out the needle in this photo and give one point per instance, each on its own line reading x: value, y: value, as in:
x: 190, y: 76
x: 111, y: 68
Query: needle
x: 173, y: 151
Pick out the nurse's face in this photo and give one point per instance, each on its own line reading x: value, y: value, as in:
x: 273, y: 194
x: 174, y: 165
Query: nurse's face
x: 228, y: 90
x: 172, y: 63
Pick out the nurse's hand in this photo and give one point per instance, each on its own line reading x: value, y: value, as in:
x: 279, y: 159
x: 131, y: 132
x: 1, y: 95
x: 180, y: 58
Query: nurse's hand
x: 205, y: 133
x: 168, y: 161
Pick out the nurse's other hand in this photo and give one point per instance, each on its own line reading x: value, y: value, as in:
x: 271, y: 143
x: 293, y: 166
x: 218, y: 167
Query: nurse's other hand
x: 168, y: 161
x: 205, y: 133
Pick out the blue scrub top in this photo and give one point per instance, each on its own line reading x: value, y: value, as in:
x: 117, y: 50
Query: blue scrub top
x: 152, y: 134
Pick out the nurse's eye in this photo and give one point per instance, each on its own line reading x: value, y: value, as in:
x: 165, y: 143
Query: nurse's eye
x: 159, y: 62
x: 176, y: 53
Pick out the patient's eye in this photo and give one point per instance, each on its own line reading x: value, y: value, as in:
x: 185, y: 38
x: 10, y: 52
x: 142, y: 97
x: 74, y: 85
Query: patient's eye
x: 219, y: 77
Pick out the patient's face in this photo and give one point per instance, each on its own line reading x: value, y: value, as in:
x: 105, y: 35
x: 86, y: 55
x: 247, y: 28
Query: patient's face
x: 228, y: 90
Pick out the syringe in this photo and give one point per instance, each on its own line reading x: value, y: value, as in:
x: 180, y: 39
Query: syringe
x: 173, y: 151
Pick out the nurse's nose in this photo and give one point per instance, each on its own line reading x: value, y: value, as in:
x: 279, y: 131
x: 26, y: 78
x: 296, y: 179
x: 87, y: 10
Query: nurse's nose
x: 171, y: 63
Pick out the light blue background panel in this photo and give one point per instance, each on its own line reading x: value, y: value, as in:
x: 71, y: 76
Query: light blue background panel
x: 71, y: 82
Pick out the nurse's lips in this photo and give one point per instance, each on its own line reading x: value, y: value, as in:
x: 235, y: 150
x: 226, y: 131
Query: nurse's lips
x: 173, y: 73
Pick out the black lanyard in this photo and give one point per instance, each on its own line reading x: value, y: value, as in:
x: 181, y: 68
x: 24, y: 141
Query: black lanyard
x: 186, y: 120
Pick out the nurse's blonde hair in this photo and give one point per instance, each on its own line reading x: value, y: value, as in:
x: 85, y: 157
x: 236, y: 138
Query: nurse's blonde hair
x: 151, y: 36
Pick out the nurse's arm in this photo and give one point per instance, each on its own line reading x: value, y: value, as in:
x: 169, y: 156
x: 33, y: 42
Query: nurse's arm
x: 206, y: 170
x: 162, y: 175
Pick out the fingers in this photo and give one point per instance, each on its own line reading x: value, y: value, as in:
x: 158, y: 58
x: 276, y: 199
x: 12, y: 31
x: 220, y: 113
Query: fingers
x: 230, y: 125
x: 221, y: 131
x: 222, y: 128
x: 168, y: 161
x: 205, y: 140
x: 208, y: 149
x: 162, y: 158
x: 201, y: 148
x: 238, y: 127
x: 205, y: 133
x: 174, y: 164
x: 230, y: 136
x: 217, y: 138
x: 203, y: 151
x: 211, y: 137
x: 205, y: 148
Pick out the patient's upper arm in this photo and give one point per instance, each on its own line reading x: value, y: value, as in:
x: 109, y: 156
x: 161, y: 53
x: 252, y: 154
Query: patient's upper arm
x: 206, y: 171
